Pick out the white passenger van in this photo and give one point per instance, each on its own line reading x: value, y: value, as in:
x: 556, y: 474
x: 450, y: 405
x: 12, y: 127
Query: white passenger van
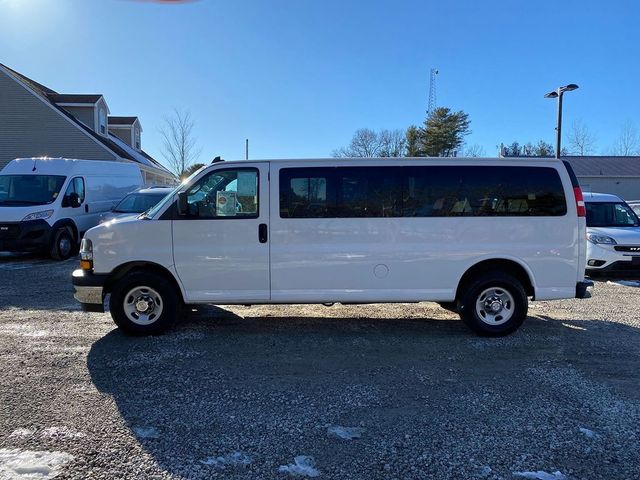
x: 46, y: 204
x: 479, y: 236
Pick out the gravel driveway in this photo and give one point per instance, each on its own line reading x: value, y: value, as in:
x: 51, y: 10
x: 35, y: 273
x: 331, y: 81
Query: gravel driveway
x: 366, y: 392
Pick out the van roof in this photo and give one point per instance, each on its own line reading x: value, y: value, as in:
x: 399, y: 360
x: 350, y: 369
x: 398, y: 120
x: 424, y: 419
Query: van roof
x: 601, y: 197
x: 475, y: 160
x: 66, y: 166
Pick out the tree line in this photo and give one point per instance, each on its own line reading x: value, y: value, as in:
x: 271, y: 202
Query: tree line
x: 443, y: 135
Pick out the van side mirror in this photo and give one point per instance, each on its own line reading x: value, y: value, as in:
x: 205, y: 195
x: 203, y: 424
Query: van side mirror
x: 183, y: 207
x: 72, y: 200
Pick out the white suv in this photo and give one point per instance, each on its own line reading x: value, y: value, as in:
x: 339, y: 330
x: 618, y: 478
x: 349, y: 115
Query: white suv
x: 613, y: 231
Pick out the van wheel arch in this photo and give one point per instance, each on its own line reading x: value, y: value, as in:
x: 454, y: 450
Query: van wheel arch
x: 70, y: 224
x: 146, y: 267
x: 509, y: 267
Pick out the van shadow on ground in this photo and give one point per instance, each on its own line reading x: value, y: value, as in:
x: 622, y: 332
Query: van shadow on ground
x: 269, y: 386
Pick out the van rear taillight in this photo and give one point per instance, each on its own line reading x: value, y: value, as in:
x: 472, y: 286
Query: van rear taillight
x: 577, y: 191
x: 582, y: 211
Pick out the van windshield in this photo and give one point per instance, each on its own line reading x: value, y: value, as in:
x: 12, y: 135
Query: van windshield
x: 138, y: 202
x: 610, y: 214
x: 169, y: 196
x: 29, y: 189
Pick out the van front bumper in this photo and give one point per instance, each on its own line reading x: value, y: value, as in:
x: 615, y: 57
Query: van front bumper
x: 89, y: 290
x: 32, y: 236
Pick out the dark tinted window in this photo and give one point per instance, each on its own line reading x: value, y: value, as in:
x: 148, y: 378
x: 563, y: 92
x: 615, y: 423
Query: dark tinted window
x: 306, y: 193
x: 438, y: 191
x: 368, y: 192
x: 610, y: 214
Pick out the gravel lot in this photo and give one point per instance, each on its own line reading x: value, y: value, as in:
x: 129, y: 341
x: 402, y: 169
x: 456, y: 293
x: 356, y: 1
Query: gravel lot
x: 239, y: 392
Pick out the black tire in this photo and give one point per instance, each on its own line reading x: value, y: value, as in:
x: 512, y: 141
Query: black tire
x: 62, y: 244
x: 161, y: 292
x: 512, y: 291
x: 449, y: 306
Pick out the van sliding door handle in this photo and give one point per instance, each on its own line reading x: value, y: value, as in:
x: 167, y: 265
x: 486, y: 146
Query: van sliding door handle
x: 262, y: 233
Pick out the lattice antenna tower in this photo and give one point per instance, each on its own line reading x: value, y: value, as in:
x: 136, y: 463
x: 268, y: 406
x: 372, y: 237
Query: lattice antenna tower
x: 432, y: 92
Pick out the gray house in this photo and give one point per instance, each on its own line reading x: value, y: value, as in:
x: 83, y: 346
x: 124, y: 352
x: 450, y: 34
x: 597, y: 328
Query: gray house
x: 617, y: 175
x: 36, y: 121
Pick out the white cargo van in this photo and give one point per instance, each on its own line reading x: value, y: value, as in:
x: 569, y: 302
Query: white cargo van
x: 479, y: 236
x: 46, y: 204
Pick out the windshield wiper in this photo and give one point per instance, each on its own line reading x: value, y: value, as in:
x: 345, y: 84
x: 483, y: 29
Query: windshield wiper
x: 20, y: 202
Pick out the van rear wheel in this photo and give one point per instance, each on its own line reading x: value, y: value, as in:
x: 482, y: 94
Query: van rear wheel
x: 63, y: 243
x: 493, y: 304
x: 144, y: 304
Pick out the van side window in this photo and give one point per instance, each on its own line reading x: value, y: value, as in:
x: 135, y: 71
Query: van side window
x: 231, y: 193
x: 76, y: 185
x: 421, y: 191
x: 306, y: 193
x: 368, y: 192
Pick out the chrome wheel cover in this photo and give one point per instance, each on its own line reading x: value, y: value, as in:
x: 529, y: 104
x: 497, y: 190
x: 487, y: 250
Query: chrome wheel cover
x: 143, y: 305
x: 495, y: 306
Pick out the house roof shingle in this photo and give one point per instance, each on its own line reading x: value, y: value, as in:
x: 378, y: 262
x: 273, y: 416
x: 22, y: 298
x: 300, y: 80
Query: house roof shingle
x: 605, y: 166
x: 73, y: 97
x: 122, y: 120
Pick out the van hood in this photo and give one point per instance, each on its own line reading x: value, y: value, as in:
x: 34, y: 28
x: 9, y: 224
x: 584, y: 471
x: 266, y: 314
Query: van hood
x: 622, y: 235
x: 109, y: 216
x: 12, y: 213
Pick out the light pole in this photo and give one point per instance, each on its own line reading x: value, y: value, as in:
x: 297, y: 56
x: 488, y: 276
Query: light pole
x: 558, y: 94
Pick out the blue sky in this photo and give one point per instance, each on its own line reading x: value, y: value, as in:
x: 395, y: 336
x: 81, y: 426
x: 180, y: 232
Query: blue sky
x: 298, y: 77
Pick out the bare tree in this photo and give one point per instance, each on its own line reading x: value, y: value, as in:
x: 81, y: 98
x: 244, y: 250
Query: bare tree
x: 474, y: 150
x: 581, y: 140
x: 178, y: 142
x: 365, y: 143
x: 628, y: 142
x: 393, y: 143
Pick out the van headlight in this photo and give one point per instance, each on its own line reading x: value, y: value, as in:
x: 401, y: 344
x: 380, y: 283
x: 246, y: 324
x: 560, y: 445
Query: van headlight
x: 86, y: 254
x: 600, y: 239
x: 44, y: 214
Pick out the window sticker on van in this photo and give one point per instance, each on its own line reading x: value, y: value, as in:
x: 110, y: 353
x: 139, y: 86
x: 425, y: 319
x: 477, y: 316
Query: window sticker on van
x: 226, y: 204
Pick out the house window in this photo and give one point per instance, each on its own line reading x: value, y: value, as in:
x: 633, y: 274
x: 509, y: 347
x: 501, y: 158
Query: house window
x: 102, y: 119
x: 137, y: 138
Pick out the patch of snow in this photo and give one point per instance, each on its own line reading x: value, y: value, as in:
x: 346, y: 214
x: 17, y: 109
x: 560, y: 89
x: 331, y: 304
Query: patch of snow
x: 146, y: 432
x: 21, y: 432
x: 625, y: 283
x: 22, y: 330
x: 345, y: 433
x: 61, y: 433
x: 485, y: 471
x: 303, y: 466
x: 19, y: 464
x: 541, y: 475
x: 589, y: 433
x: 233, y: 459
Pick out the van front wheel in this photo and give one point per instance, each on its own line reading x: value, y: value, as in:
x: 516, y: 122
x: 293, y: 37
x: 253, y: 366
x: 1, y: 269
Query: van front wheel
x: 493, y: 304
x: 62, y: 246
x: 144, y: 304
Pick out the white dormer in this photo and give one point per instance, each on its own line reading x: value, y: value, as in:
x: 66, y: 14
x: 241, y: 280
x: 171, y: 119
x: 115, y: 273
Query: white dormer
x: 127, y: 129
